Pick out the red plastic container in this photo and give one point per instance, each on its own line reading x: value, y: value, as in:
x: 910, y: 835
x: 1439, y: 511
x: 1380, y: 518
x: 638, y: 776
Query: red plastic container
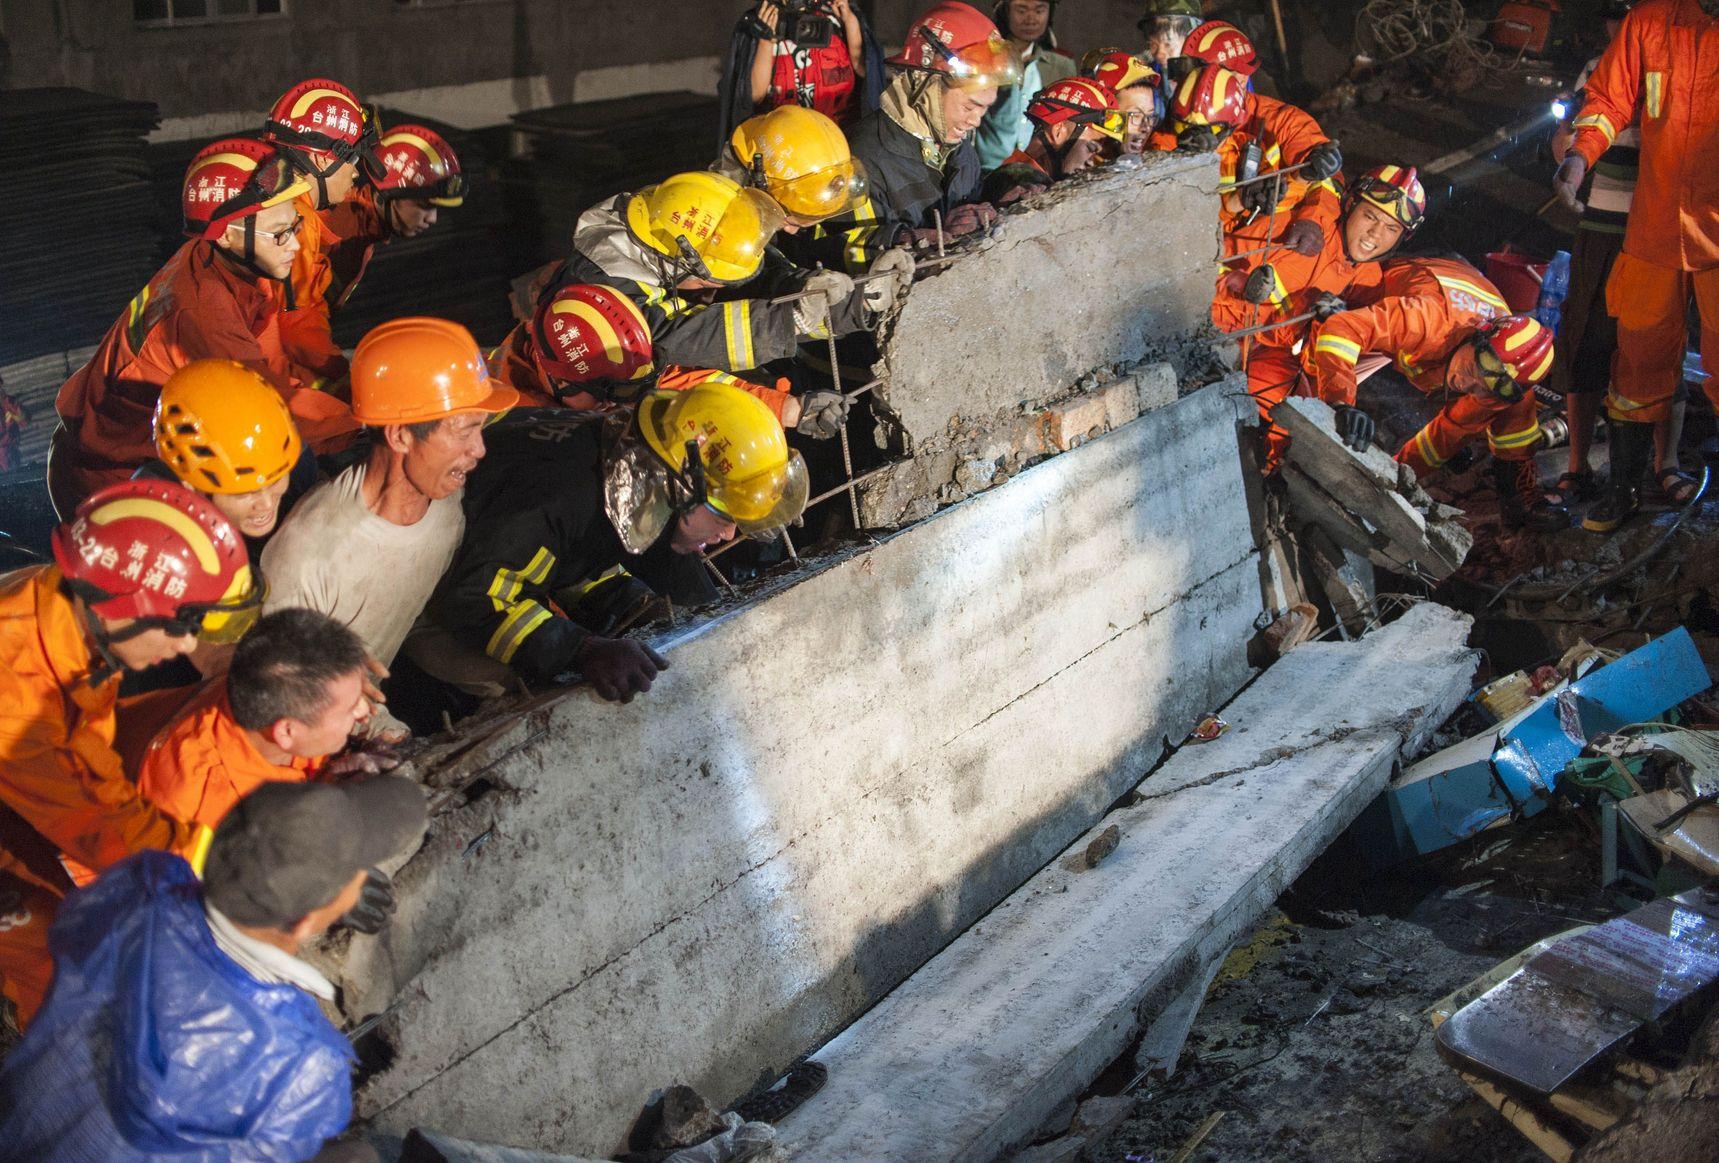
x: 1517, y: 277
x: 1524, y: 25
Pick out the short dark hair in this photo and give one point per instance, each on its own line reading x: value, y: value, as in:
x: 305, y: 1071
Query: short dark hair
x: 424, y: 429
x: 282, y: 668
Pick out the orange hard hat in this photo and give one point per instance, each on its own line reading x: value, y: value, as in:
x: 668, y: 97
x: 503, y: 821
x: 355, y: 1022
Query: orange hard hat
x: 407, y: 371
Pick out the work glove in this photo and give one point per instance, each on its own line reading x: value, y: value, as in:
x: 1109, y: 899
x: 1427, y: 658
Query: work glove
x: 1260, y: 284
x: 619, y: 668
x: 1304, y: 237
x: 969, y: 218
x: 822, y: 413
x: 824, y: 291
x: 1569, y: 180
x: 1355, y: 427
x: 1322, y: 161
x: 1262, y: 196
x: 365, y: 757
x: 1327, y: 305
x: 375, y: 904
x: 1197, y: 139
x: 891, y: 273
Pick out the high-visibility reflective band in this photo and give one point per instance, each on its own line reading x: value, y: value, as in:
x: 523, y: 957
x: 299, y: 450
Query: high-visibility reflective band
x: 1474, y: 289
x: 1346, y: 350
x: 514, y: 629
x: 1654, y: 97
x: 505, y: 586
x: 1600, y: 122
x: 1429, y: 452
x: 201, y: 838
x: 1617, y: 403
x: 1279, y: 292
x: 737, y: 328
x: 1507, y: 440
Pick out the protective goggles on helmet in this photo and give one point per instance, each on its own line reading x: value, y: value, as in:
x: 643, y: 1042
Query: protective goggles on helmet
x: 1112, y: 123
x: 1393, y: 200
x: 450, y: 190
x: 818, y: 195
x: 1493, y: 372
x: 221, y: 623
x: 758, y: 507
x: 985, y: 64
x: 1182, y: 26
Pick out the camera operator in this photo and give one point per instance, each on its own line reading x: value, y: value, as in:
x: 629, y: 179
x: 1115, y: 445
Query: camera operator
x: 818, y: 54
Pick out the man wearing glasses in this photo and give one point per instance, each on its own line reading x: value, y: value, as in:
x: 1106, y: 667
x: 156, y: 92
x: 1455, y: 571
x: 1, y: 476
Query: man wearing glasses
x: 219, y: 297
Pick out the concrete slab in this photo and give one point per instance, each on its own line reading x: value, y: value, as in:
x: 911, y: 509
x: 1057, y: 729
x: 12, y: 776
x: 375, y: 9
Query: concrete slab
x: 1152, y: 230
x: 970, y: 1055
x: 826, y: 788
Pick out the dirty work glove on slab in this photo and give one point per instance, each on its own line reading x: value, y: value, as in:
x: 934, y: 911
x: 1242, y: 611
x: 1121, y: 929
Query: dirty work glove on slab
x: 375, y: 904
x: 1322, y: 161
x: 1197, y: 139
x: 824, y: 291
x: 822, y: 414
x: 969, y: 218
x: 1355, y: 427
x: 1262, y: 196
x: 891, y: 273
x: 1327, y: 305
x: 1304, y: 237
x: 1260, y: 284
x: 619, y: 668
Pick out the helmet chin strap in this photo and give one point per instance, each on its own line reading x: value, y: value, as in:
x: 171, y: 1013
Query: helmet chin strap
x: 107, y: 665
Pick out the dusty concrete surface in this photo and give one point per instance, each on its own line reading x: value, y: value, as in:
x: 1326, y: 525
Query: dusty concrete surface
x: 705, y: 884
x: 1044, y: 319
x: 973, y: 1052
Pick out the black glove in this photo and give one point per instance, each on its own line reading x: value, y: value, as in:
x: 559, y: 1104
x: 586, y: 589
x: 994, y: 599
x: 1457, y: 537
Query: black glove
x: 1355, y: 427
x: 822, y: 413
x: 375, y: 904
x: 619, y: 668
x: 1263, y: 195
x: 1322, y: 161
x: 1197, y: 139
x: 1327, y: 305
x: 1304, y: 237
x: 1260, y: 284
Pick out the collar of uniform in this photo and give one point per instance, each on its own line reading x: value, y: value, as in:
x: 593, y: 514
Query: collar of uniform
x: 263, y: 961
x: 56, y: 609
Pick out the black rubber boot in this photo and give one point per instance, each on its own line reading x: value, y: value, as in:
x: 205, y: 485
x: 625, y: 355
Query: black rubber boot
x: 1631, y: 449
x: 1522, y: 503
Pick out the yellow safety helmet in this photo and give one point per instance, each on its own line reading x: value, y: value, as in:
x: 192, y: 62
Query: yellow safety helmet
x: 707, y: 224
x: 222, y: 428
x: 801, y: 159
x: 744, y: 467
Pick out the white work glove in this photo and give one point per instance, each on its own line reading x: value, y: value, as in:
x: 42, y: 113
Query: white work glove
x: 891, y: 273
x: 824, y: 291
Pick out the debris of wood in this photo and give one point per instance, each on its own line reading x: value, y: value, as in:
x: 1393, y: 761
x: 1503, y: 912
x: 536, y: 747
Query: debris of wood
x: 1199, y: 1136
x: 1293, y: 627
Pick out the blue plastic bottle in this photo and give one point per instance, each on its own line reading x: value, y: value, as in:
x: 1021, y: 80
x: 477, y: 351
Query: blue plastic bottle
x: 1554, y: 285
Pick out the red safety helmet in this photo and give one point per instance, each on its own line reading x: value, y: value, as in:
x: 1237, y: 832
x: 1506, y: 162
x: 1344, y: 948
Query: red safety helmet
x: 1217, y: 42
x: 157, y: 552
x: 1396, y: 190
x: 1081, y: 101
x: 1513, y: 354
x: 1210, y: 95
x: 321, y: 125
x: 418, y: 164
x: 595, y: 339
x: 961, y: 44
x: 233, y: 179
x: 1118, y: 69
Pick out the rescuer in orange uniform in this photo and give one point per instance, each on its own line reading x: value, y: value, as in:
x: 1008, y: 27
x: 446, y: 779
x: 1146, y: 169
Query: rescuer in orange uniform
x: 289, y: 702
x: 1449, y: 332
x: 142, y: 572
x: 326, y: 135
x: 1071, y: 119
x: 1380, y: 210
x: 1306, y: 202
x: 219, y: 297
x: 1658, y: 73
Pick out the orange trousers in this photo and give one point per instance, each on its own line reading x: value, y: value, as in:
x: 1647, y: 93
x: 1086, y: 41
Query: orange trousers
x: 1651, y: 305
x: 1272, y: 376
x: 1512, y: 430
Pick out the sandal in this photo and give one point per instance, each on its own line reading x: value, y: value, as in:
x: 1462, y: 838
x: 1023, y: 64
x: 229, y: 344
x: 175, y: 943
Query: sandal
x: 1574, y: 488
x: 1674, y: 485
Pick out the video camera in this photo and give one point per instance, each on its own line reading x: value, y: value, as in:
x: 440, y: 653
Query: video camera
x: 806, y: 22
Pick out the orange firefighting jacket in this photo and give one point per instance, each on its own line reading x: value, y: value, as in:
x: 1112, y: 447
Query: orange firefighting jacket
x: 202, y: 763
x: 1298, y: 281
x: 198, y: 306
x: 62, y: 787
x: 1662, y: 72
x: 1428, y: 307
x: 514, y: 365
x: 335, y: 246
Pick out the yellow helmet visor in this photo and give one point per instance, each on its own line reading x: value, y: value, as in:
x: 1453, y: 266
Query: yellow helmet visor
x: 735, y: 249
x: 766, y: 502
x: 824, y: 193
